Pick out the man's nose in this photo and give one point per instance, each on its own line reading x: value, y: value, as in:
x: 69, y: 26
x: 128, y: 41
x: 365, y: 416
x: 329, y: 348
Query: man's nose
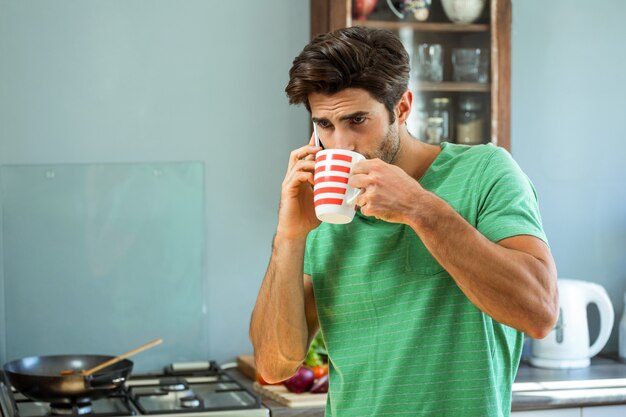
x: 344, y: 141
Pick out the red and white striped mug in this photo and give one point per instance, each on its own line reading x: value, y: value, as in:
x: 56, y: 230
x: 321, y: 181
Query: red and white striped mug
x: 334, y: 199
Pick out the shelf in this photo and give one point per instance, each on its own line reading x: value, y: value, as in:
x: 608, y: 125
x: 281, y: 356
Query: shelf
x: 453, y: 87
x: 492, y: 32
x: 424, y: 26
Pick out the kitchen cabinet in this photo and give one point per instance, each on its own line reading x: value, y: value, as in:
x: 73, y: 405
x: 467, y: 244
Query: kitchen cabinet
x: 600, y: 411
x: 604, y: 411
x: 562, y: 412
x: 491, y: 33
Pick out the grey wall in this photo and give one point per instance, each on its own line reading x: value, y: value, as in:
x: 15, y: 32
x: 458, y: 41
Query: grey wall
x: 568, y: 92
x: 146, y: 80
x: 165, y: 80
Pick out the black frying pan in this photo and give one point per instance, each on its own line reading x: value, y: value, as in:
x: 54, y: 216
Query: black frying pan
x: 39, y: 377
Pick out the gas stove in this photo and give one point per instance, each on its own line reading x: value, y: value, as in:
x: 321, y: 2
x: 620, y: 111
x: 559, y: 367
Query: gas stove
x: 200, y: 389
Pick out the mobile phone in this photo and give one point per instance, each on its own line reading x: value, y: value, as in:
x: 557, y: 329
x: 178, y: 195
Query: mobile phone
x: 318, y: 142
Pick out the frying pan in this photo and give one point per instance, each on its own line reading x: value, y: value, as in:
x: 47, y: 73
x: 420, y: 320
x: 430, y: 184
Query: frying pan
x: 39, y: 377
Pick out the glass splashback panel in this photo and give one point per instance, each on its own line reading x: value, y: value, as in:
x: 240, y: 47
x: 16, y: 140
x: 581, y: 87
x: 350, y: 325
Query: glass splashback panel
x: 101, y: 258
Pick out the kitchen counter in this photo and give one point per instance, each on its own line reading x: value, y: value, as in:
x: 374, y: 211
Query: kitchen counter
x: 603, y: 383
x: 277, y: 409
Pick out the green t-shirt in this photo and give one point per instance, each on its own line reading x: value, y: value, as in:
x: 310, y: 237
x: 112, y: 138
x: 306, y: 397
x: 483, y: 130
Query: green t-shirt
x: 402, y: 338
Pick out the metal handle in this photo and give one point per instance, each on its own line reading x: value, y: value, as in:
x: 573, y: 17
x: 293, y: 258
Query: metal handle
x: 104, y: 381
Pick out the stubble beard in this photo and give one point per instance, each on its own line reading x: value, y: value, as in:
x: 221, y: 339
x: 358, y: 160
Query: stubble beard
x: 389, y: 146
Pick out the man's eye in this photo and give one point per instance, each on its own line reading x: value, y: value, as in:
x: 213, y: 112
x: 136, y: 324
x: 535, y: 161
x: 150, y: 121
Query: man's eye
x: 323, y: 124
x: 358, y: 120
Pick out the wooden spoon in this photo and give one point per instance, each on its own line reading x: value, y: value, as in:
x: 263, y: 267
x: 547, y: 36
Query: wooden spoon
x: 115, y: 359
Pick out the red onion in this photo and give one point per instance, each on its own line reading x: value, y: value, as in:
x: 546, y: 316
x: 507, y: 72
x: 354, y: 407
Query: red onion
x: 301, y: 381
x: 321, y: 385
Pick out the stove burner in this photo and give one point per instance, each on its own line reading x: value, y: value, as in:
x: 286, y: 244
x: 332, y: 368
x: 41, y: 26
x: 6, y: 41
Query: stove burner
x: 189, y: 394
x: 173, y: 384
x: 71, y: 409
x: 191, y: 401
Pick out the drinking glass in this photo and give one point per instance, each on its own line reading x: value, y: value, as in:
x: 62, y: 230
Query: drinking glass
x: 429, y: 62
x: 470, y: 65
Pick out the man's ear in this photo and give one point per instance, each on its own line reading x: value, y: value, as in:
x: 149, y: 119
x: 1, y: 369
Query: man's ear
x: 403, y: 108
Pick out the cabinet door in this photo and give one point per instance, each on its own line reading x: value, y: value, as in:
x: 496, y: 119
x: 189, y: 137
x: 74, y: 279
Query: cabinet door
x: 605, y: 411
x: 559, y: 412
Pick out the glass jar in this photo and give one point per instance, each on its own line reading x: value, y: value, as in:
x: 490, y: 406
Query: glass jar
x: 434, y: 130
x: 469, y: 126
x: 418, y: 120
x: 440, y: 107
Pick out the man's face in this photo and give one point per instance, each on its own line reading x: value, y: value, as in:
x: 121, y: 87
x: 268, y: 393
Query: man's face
x: 352, y: 119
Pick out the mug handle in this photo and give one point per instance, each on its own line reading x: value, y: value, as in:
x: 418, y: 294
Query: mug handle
x: 350, y: 201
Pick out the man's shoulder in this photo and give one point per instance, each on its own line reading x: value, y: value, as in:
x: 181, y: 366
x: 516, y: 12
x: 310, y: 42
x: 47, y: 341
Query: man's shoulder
x: 472, y: 151
x: 481, y: 158
x: 462, y: 160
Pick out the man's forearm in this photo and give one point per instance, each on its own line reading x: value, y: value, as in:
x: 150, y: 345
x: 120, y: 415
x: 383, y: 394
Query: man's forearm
x: 278, y: 328
x: 511, y: 286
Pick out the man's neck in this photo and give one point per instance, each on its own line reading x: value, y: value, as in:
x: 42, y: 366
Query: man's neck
x: 414, y: 156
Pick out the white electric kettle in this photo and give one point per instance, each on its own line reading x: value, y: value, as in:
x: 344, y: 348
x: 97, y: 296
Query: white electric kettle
x: 567, y: 345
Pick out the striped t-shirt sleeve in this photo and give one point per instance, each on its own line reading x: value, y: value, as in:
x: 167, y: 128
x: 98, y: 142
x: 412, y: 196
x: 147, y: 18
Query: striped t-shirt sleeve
x: 507, y: 201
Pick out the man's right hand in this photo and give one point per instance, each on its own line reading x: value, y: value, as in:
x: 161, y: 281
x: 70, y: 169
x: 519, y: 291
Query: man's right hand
x: 296, y: 213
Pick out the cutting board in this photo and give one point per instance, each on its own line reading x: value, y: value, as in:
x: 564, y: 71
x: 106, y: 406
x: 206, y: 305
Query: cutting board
x: 245, y: 364
x: 281, y: 395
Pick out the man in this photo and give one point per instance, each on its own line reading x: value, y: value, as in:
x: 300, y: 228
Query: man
x: 422, y: 299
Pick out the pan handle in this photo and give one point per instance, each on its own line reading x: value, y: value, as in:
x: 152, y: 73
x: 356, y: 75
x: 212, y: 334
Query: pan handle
x: 104, y: 381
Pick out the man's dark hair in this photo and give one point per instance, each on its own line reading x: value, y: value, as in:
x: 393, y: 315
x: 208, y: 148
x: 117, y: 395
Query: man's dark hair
x: 356, y: 57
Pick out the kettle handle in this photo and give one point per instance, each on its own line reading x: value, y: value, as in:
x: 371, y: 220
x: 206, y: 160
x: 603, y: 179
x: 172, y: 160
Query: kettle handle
x: 599, y: 297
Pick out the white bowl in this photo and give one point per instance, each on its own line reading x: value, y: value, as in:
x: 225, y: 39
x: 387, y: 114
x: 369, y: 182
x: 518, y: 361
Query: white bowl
x: 463, y: 11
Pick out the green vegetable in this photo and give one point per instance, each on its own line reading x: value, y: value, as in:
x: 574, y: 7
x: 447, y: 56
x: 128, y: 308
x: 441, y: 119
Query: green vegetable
x: 317, y: 354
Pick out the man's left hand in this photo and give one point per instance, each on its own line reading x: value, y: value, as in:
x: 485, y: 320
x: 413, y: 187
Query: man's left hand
x: 387, y: 191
